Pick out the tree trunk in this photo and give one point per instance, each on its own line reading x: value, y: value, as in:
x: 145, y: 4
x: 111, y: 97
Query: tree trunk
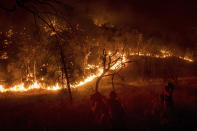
x: 113, y: 82
x: 66, y: 74
x: 62, y: 78
x: 98, y: 81
x: 34, y: 70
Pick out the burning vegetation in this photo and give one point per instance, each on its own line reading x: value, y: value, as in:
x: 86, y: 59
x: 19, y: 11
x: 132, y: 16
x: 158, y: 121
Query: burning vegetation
x: 62, y: 46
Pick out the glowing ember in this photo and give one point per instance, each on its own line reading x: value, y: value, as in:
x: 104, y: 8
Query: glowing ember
x: 186, y: 58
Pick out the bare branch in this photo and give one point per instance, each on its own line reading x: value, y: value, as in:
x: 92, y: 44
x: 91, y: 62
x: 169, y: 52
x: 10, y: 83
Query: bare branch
x: 109, y: 63
x: 8, y: 9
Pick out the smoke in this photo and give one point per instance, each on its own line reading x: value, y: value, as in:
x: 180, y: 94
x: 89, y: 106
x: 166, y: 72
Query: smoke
x: 170, y: 21
x: 173, y: 21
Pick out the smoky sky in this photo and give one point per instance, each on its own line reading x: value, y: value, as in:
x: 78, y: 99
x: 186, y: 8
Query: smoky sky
x: 169, y: 20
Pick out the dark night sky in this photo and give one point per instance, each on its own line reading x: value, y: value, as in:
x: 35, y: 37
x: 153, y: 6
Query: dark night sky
x: 171, y: 20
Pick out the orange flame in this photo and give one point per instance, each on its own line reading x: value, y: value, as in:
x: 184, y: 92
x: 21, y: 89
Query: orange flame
x: 163, y: 54
x: 117, y: 65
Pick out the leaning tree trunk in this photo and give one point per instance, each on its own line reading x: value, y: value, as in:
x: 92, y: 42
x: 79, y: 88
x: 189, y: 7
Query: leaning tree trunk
x: 100, y: 78
x: 112, y: 80
x: 35, y: 71
x: 65, y: 68
x: 98, y: 81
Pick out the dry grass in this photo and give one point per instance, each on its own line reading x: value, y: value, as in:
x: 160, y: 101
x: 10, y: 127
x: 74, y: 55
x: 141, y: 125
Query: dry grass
x: 52, y: 111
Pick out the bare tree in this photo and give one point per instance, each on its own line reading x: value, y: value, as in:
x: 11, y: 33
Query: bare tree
x: 33, y: 7
x: 108, y: 62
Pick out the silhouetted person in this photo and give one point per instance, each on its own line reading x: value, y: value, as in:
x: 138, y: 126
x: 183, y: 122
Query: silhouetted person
x: 117, y: 113
x: 100, y: 110
x: 167, y: 96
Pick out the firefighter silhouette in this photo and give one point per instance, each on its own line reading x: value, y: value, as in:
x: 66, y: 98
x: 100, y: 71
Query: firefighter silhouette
x: 116, y: 112
x: 167, y: 96
x: 99, y: 109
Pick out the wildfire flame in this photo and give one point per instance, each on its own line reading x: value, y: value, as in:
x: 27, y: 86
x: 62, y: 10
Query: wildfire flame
x: 89, y: 78
x: 36, y: 85
x: 163, y: 54
x: 117, y: 65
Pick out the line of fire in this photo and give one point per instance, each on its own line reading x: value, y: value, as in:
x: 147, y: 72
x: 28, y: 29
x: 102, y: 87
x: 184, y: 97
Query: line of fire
x: 97, y: 65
